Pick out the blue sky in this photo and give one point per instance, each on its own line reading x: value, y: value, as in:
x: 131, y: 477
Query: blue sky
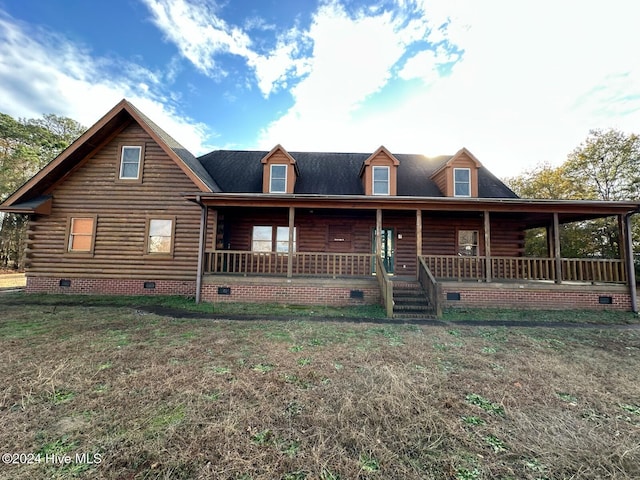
x: 517, y: 83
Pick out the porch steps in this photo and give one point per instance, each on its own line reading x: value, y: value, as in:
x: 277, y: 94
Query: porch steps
x: 410, y: 301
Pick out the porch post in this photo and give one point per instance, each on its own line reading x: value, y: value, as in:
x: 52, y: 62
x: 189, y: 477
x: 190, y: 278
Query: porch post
x: 378, y: 231
x: 292, y: 216
x: 549, y: 231
x: 622, y: 241
x: 201, y: 242
x: 631, y: 271
x: 215, y: 230
x: 418, y: 232
x: 556, y: 247
x: 487, y: 246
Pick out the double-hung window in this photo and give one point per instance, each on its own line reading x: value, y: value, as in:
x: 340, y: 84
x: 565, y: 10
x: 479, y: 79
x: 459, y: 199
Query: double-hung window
x: 130, y: 162
x: 462, y: 182
x: 468, y: 242
x: 81, y: 234
x: 278, y: 181
x: 380, y: 180
x: 160, y: 233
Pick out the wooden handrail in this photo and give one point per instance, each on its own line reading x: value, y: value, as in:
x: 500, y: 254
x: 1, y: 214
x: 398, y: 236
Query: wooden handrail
x: 386, y: 286
x: 276, y: 263
x: 591, y: 270
x: 431, y: 286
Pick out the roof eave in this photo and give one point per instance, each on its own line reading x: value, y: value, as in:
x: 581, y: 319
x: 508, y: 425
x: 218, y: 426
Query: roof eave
x: 430, y: 203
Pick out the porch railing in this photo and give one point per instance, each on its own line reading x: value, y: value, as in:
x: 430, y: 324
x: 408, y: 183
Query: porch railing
x: 386, y: 286
x: 526, y: 268
x: 275, y: 263
x: 431, y: 286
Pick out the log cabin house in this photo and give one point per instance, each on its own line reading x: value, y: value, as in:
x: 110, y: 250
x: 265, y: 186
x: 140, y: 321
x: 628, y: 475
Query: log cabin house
x: 127, y: 210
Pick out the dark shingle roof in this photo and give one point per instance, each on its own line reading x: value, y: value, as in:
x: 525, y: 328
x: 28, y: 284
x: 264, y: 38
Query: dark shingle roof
x: 337, y: 173
x: 185, y: 155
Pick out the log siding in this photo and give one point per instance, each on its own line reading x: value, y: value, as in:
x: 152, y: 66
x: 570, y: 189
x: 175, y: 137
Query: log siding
x: 346, y: 231
x: 121, y: 211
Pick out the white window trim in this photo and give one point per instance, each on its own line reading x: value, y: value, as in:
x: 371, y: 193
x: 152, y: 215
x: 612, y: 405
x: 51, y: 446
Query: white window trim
x: 454, y: 182
x: 373, y: 180
x: 286, y: 174
x: 139, y: 148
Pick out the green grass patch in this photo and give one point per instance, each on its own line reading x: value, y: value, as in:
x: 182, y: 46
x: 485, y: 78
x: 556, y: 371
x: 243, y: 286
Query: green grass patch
x: 484, y: 404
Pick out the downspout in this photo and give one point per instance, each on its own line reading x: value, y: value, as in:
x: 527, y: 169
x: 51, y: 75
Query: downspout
x: 631, y: 271
x: 203, y: 226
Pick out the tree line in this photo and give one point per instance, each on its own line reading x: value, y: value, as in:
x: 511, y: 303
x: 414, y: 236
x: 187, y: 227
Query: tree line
x: 605, y: 166
x: 26, y: 145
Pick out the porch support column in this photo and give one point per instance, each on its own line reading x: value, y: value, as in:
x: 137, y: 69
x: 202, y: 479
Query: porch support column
x: 215, y: 230
x: 549, y: 231
x: 487, y: 246
x: 201, y: 246
x: 292, y: 216
x: 378, y: 231
x: 631, y: 271
x: 622, y: 240
x: 556, y: 247
x: 418, y: 233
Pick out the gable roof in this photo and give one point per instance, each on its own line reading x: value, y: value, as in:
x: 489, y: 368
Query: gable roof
x: 94, y: 138
x: 458, y: 154
x: 322, y: 173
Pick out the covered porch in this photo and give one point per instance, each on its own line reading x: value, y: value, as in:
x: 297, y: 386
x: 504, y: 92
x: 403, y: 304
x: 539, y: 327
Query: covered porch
x: 417, y: 238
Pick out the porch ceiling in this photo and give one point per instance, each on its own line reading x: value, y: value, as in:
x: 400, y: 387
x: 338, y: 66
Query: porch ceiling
x: 534, y: 213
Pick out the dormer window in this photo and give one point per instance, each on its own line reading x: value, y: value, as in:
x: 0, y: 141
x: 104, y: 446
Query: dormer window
x: 379, y: 173
x: 380, y: 180
x: 278, y: 182
x: 462, y: 182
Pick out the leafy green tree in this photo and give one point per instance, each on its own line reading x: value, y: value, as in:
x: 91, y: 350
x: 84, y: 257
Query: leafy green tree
x: 547, y: 182
x: 606, y: 166
x: 25, y: 147
x: 607, y: 163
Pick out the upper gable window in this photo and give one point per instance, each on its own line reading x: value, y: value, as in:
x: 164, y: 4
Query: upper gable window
x: 278, y: 182
x: 380, y: 181
x: 130, y: 162
x: 462, y: 182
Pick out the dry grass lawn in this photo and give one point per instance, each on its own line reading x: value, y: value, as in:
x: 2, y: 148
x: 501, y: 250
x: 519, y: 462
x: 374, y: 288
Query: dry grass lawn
x: 12, y: 280
x: 152, y: 397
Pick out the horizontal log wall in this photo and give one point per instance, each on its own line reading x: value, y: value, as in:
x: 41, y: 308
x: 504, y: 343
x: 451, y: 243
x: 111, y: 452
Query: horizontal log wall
x: 439, y: 234
x: 122, y: 211
x: 344, y: 231
x: 338, y: 232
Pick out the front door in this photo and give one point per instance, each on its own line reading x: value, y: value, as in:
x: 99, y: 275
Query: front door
x: 388, y: 248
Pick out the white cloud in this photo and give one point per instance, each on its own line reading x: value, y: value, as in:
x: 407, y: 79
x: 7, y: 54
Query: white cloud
x: 198, y: 32
x: 534, y: 78
x: 352, y: 60
x: 202, y: 35
x: 41, y: 72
